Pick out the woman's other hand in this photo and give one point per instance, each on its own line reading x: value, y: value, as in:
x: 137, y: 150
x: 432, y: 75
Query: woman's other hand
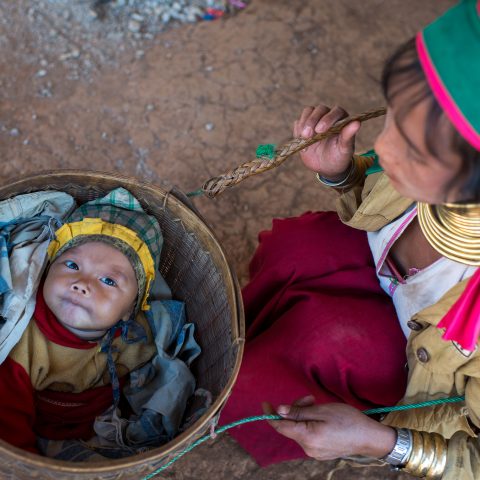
x: 333, y: 430
x: 331, y: 158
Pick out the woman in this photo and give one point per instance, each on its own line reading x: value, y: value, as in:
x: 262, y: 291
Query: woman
x: 327, y: 302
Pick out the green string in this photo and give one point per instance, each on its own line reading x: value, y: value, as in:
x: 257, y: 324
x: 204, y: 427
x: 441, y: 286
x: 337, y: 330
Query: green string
x: 195, y: 193
x: 266, y: 150
x: 414, y: 405
x: 278, y: 417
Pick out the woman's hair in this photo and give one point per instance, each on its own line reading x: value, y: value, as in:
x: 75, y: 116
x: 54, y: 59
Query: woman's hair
x: 403, y: 72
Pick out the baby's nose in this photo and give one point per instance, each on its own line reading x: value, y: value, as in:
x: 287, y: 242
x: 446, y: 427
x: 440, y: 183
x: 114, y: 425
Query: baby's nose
x: 80, y: 288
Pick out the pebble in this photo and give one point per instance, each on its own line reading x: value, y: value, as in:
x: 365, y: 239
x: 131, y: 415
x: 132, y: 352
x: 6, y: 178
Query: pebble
x: 73, y: 54
x: 134, y: 26
x: 137, y: 17
x: 41, y: 73
x: 209, y: 126
x: 150, y: 107
x: 14, y: 132
x: 46, y: 91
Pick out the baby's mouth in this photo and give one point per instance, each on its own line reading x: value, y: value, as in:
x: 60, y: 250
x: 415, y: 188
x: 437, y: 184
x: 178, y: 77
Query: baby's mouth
x: 76, y: 302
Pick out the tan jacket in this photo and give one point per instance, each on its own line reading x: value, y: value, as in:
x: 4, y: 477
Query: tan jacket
x: 437, y: 368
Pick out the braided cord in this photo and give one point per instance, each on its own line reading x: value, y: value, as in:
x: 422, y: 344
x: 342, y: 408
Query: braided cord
x: 216, y: 185
x: 278, y: 417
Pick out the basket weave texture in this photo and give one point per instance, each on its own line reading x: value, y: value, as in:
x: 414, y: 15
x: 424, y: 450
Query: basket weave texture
x: 195, y: 268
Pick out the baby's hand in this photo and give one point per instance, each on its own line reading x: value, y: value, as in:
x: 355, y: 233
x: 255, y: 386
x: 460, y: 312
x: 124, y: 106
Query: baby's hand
x: 331, y: 157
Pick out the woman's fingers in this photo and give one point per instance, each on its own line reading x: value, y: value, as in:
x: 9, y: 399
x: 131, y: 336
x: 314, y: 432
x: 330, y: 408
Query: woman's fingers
x: 299, y: 124
x: 309, y: 123
x: 329, y: 119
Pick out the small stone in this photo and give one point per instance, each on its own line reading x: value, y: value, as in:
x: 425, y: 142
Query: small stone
x: 208, y: 68
x: 209, y: 126
x: 34, y: 116
x: 14, y: 132
x: 73, y: 54
x: 104, y: 135
x: 134, y: 26
x: 26, y: 141
x: 41, y: 73
x: 150, y: 107
x: 43, y: 63
x: 139, y: 54
x: 46, y: 91
x: 137, y: 17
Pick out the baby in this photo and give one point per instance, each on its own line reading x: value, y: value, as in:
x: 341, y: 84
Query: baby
x: 88, y: 330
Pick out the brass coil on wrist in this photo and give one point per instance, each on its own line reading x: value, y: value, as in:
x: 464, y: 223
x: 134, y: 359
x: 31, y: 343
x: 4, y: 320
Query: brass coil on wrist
x: 429, y: 456
x: 453, y: 230
x: 438, y: 466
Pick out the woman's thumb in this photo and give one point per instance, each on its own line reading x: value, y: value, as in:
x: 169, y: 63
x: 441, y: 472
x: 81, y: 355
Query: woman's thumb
x: 299, y: 413
x: 346, y: 139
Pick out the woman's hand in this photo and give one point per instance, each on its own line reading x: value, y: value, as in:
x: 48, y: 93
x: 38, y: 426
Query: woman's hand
x: 332, y: 157
x: 333, y: 430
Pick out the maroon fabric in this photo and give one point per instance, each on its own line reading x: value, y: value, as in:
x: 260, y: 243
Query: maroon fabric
x: 17, y: 409
x: 317, y: 323
x: 64, y: 415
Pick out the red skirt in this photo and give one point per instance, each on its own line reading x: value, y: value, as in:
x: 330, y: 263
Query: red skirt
x: 317, y: 323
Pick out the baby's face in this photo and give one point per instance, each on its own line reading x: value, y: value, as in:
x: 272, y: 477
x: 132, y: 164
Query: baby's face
x: 90, y: 288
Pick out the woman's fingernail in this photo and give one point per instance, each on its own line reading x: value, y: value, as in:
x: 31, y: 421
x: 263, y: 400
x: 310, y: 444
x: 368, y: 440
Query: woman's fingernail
x: 307, y: 132
x: 283, y: 410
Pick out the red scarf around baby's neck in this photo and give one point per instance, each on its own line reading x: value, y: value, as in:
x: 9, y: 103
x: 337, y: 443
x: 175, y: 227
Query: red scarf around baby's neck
x: 52, y: 329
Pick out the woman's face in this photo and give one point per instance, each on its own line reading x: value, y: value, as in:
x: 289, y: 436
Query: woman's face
x: 414, y: 171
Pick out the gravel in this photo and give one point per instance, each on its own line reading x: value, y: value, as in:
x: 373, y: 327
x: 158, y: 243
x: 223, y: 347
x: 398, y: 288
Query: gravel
x: 85, y: 35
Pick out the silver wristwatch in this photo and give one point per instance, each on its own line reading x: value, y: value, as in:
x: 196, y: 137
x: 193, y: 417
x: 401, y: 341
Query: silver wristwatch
x: 402, y: 449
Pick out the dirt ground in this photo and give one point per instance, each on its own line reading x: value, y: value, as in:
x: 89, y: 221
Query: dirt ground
x: 196, y: 101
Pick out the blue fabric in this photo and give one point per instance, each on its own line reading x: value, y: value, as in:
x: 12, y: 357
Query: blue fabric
x: 27, y: 223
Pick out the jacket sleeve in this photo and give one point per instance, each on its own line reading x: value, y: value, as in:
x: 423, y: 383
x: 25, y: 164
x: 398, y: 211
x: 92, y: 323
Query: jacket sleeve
x: 17, y: 406
x: 463, y: 458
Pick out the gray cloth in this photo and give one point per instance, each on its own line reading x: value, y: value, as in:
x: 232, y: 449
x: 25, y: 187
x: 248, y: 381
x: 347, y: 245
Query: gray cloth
x: 27, y: 223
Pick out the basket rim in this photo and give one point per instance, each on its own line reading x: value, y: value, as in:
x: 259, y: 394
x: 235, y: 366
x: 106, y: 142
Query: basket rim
x: 161, y: 453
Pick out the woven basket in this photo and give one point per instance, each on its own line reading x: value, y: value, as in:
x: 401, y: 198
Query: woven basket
x: 195, y: 268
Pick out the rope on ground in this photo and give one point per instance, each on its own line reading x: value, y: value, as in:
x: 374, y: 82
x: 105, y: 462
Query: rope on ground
x: 278, y: 417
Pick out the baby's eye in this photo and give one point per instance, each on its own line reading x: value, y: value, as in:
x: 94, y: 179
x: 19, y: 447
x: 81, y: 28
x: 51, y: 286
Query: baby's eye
x: 108, y: 281
x: 72, y: 265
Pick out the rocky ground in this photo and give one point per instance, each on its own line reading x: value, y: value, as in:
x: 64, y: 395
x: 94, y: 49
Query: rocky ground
x: 114, y: 86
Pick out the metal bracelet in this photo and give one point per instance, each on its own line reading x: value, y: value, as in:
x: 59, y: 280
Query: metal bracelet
x: 402, y: 449
x: 329, y: 183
